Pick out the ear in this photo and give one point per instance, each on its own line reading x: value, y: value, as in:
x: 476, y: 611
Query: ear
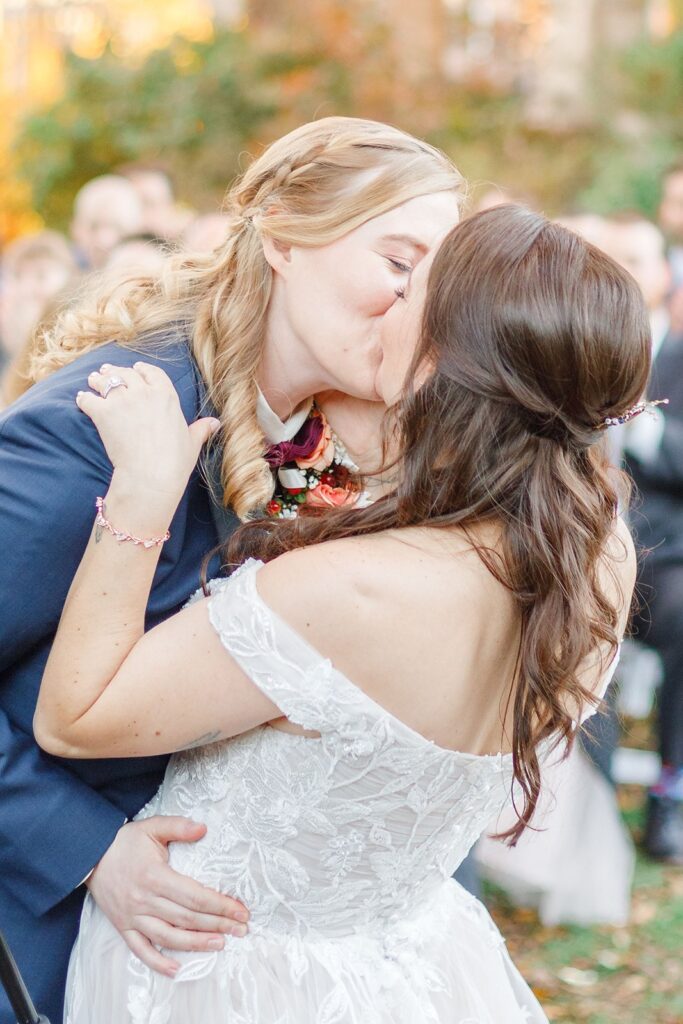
x: 278, y: 255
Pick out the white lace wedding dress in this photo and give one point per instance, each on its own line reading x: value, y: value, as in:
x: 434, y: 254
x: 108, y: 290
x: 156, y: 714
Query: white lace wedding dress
x: 342, y: 847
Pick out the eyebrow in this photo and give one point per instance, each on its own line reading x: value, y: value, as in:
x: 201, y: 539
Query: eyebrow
x: 407, y: 240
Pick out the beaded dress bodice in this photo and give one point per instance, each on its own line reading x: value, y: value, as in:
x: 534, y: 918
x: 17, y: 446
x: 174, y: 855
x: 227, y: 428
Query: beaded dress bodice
x: 331, y: 835
x: 342, y: 845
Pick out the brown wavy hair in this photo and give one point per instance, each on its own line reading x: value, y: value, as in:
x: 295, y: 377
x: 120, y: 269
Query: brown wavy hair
x: 534, y: 337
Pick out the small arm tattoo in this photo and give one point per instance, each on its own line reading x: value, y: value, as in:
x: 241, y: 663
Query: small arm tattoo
x: 201, y: 741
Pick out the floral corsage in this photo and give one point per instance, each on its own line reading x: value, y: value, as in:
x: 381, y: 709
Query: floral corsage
x: 312, y: 469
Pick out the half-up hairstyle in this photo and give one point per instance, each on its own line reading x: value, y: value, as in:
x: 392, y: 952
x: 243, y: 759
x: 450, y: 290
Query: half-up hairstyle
x: 309, y: 188
x: 534, y: 337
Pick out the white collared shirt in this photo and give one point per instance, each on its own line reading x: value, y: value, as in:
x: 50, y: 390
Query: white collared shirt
x: 274, y: 429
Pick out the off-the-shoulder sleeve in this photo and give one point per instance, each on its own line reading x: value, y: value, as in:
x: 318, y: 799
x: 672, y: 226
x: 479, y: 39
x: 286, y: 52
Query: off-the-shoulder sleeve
x: 278, y: 661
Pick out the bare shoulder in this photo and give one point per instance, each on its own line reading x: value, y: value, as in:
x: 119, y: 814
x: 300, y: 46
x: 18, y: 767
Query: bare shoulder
x: 619, y: 567
x: 309, y: 581
x: 370, y: 590
x: 620, y: 547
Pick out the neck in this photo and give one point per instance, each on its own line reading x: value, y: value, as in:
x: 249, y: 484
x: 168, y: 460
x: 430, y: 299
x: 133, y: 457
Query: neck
x: 287, y: 374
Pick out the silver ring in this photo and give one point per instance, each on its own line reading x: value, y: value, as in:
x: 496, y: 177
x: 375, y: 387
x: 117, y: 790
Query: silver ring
x: 113, y: 382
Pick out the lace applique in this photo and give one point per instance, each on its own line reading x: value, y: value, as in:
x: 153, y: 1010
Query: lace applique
x: 341, y: 846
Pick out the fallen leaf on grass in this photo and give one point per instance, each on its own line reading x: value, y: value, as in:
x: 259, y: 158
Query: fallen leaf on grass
x: 632, y: 984
x: 621, y: 938
x: 643, y: 911
x: 573, y: 976
x: 609, y: 958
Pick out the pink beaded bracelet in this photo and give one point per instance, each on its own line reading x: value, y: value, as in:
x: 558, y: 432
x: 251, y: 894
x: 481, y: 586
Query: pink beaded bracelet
x: 101, y: 520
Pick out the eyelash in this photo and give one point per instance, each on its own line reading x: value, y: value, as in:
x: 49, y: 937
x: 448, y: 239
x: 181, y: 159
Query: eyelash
x: 404, y: 268
x: 400, y: 293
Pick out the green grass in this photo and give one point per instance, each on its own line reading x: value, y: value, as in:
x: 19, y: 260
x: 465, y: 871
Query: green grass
x: 629, y: 975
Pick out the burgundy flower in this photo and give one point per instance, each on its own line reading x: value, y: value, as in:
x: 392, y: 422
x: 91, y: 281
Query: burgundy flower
x: 304, y: 443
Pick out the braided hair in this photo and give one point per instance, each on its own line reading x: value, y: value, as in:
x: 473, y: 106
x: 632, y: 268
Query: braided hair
x: 309, y: 188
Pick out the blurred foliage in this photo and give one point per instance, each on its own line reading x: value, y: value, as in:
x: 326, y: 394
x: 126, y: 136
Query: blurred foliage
x: 642, y: 128
x: 196, y: 107
x: 192, y: 108
x: 487, y: 136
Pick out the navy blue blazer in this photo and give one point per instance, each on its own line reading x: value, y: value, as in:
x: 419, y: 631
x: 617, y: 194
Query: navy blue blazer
x: 57, y: 818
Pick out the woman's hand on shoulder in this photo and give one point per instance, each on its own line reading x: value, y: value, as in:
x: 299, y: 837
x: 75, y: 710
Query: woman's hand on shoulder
x: 137, y: 414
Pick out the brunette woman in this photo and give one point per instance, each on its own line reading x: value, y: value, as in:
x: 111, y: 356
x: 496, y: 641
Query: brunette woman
x: 370, y: 685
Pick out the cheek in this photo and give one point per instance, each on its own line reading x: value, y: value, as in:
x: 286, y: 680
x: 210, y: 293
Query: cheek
x: 367, y: 287
x: 400, y: 335
x: 396, y: 347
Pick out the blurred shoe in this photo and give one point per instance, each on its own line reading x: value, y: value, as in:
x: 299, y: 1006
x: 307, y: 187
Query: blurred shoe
x: 663, y: 838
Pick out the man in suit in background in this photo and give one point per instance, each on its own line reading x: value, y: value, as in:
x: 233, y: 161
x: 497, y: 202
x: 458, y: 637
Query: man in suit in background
x: 653, y: 445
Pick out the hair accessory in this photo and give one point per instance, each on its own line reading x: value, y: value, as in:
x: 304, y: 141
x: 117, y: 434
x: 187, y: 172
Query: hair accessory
x: 635, y: 410
x: 247, y: 216
x: 102, y: 521
x: 113, y: 382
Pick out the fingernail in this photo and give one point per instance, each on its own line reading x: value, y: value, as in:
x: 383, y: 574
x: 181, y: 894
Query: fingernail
x: 216, y: 944
x: 239, y: 931
x: 241, y: 915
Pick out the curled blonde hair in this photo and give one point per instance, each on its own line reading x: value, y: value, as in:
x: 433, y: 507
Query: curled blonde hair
x: 309, y: 188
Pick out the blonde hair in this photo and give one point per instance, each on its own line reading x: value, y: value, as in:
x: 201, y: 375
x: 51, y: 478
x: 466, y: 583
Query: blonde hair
x: 309, y: 188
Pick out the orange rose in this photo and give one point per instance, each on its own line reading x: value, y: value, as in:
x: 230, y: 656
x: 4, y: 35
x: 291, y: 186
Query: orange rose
x: 324, y: 496
x: 323, y: 454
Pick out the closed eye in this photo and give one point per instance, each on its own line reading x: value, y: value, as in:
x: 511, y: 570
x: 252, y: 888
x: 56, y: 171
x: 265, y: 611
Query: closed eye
x: 402, y: 268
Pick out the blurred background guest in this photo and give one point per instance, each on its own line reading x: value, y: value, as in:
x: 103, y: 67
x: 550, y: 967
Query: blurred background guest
x: 671, y: 218
x: 206, y: 232
x: 33, y: 271
x: 497, y: 195
x: 106, y: 210
x: 654, y: 451
x: 138, y: 253
x: 639, y: 246
x: 162, y: 217
x: 671, y: 222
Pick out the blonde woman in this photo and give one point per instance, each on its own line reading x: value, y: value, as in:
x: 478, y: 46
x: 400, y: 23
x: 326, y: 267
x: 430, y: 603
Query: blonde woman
x: 327, y: 225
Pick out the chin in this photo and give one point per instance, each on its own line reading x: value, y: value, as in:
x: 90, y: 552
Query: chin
x: 366, y: 394
x: 388, y: 391
x: 360, y: 385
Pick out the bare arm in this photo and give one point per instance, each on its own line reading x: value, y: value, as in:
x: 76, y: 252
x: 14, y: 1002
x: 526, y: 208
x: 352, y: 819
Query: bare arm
x: 93, y: 702
x: 111, y: 691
